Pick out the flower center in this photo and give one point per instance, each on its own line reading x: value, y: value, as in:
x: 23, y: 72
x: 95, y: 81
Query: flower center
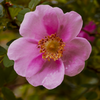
x: 52, y: 47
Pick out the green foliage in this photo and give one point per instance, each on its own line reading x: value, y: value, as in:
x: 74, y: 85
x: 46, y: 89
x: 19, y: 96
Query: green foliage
x: 46, y: 3
x: 7, y: 62
x: 98, y: 1
x: 90, y: 73
x: 34, y: 97
x: 21, y: 14
x: 19, y: 99
x: 91, y: 95
x: 33, y: 4
x: 14, y: 11
x: 10, y: 74
x: 8, y: 43
x: 88, y: 85
x: 8, y: 94
x: 1, y: 11
x: 2, y: 77
x: 1, y: 98
x: 2, y: 51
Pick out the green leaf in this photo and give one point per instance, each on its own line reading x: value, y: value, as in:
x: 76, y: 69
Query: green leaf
x: 1, y: 11
x: 21, y: 14
x: 19, y: 99
x: 2, y: 51
x: 14, y: 11
x: 33, y: 4
x: 34, y: 97
x: 88, y: 85
x: 98, y: 2
x: 45, y: 3
x: 10, y: 74
x: 7, y: 62
x: 8, y: 94
x: 91, y: 95
x: 2, y: 77
x: 89, y: 73
x: 94, y: 61
x: 8, y: 43
x: 1, y: 98
x: 98, y: 43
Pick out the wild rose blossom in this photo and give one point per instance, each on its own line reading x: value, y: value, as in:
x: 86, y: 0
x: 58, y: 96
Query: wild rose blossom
x: 49, y: 46
x: 90, y: 27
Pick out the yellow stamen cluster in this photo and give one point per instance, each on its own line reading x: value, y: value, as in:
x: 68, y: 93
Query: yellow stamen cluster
x: 52, y: 47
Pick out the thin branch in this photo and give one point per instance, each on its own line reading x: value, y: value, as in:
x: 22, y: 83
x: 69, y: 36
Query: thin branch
x: 95, y: 70
x: 13, y: 86
x: 7, y: 5
x: 91, y: 34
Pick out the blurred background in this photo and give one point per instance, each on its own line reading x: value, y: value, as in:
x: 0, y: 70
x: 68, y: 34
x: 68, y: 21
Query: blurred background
x: 85, y: 86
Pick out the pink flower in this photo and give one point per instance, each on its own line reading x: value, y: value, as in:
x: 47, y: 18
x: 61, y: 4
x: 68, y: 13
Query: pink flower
x: 49, y: 46
x: 90, y: 27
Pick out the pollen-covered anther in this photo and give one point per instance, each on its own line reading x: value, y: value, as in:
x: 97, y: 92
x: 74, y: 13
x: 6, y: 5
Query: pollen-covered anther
x: 52, y: 47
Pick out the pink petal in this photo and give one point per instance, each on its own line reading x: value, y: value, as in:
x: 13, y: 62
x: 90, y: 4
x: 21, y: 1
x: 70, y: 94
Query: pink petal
x: 50, y: 76
x: 51, y: 20
x: 76, y: 52
x: 46, y: 9
x: 71, y: 26
x: 91, y: 26
x: 75, y: 67
x: 91, y: 38
x: 32, y: 26
x: 43, y: 9
x: 40, y: 22
x: 86, y: 36
x: 22, y: 51
x: 35, y: 66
